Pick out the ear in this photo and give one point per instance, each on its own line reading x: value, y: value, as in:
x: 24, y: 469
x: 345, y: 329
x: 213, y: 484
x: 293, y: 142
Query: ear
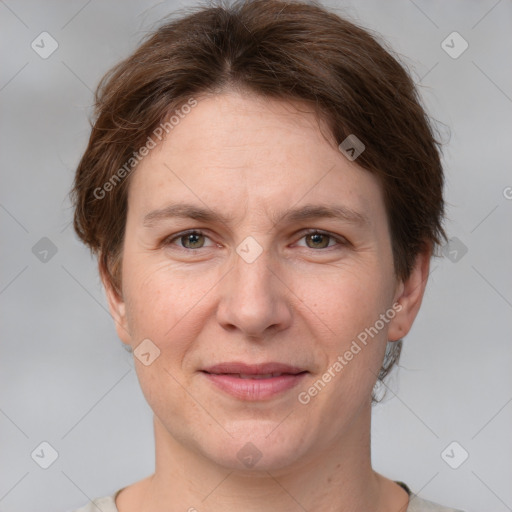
x: 116, y: 304
x: 409, y: 295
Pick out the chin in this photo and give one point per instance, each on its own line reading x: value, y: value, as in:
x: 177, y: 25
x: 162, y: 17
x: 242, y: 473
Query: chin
x: 258, y: 445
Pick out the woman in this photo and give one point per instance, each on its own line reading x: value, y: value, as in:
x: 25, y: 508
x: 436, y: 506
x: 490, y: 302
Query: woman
x: 263, y: 191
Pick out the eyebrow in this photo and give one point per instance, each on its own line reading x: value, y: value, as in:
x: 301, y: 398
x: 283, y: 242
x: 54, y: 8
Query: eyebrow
x: 307, y: 212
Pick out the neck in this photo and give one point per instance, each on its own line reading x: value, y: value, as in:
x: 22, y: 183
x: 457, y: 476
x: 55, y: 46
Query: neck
x: 338, y: 478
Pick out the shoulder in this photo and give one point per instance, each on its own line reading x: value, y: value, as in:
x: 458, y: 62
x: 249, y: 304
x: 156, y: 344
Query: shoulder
x: 105, y: 504
x: 417, y: 504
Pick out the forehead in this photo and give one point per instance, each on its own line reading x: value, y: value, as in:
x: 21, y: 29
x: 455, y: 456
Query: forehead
x: 240, y: 152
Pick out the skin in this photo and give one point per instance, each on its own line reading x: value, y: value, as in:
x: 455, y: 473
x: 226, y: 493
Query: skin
x: 301, y: 302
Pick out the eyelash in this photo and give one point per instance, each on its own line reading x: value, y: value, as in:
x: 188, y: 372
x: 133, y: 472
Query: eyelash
x: 340, y: 241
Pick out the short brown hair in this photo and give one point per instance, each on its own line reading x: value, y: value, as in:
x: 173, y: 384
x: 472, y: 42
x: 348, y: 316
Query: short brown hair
x: 289, y: 50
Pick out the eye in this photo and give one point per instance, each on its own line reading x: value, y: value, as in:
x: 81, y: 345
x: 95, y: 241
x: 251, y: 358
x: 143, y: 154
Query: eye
x: 315, y: 239
x: 189, y: 240
x: 196, y: 239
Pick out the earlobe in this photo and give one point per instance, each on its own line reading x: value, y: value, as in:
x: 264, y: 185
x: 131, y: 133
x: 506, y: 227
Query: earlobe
x: 410, y: 295
x: 116, y: 305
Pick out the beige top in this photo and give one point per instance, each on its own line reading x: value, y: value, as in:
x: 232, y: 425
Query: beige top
x: 416, y: 504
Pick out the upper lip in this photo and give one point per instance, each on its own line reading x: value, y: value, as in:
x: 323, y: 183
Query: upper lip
x: 253, y: 369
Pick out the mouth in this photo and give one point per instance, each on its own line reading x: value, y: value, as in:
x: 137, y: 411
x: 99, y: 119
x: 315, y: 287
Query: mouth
x: 253, y: 376
x: 254, y: 382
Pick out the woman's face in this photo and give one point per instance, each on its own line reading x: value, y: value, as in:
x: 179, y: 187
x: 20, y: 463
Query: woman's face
x: 289, y: 264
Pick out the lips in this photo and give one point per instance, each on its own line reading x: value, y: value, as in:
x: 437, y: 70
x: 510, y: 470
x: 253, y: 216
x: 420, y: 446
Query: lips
x: 254, y: 382
x: 253, y: 376
x: 253, y: 370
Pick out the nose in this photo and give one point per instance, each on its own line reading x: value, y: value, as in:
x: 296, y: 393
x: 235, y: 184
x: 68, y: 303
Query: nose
x: 254, y: 300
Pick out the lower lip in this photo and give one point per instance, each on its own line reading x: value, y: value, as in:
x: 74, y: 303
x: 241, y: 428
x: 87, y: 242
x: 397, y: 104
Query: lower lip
x: 255, y: 389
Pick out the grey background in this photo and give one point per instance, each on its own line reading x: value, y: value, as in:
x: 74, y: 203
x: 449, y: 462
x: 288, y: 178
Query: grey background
x: 64, y: 376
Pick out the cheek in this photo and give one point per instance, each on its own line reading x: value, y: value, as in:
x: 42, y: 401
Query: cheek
x: 163, y: 302
x: 347, y: 309
x: 166, y: 307
x: 345, y: 302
